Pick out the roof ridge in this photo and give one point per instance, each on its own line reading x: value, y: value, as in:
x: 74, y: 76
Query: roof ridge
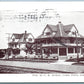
x: 62, y: 24
x: 51, y: 25
x: 68, y: 25
x: 21, y: 33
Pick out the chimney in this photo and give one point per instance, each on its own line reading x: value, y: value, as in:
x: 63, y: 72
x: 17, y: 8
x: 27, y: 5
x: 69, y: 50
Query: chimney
x: 25, y: 32
x: 60, y: 27
x: 59, y: 22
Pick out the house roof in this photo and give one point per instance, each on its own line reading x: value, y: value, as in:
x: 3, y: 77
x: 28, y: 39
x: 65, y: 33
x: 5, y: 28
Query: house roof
x: 68, y: 27
x: 19, y: 36
x: 59, y: 29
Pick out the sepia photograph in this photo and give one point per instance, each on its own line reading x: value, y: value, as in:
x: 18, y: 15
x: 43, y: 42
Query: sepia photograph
x: 41, y: 41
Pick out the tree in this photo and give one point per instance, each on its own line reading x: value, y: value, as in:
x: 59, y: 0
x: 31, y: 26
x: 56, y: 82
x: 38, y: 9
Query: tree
x: 29, y: 48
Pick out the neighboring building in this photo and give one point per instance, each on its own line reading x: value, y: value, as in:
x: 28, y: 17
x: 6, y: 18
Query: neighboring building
x: 19, y: 45
x: 60, y: 40
x: 19, y: 40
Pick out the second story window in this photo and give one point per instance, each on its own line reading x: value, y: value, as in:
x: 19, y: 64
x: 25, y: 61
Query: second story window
x: 13, y: 39
x: 70, y: 50
x: 30, y: 39
x: 48, y: 33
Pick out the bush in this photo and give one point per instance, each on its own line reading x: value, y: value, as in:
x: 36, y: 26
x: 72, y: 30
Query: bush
x: 2, y: 54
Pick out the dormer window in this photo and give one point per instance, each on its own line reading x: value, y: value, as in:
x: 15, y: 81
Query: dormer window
x: 73, y: 33
x: 67, y: 32
x: 48, y: 33
x: 30, y: 39
x: 13, y: 39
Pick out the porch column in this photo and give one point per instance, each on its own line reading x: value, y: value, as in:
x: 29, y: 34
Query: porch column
x: 42, y: 53
x: 74, y: 50
x: 58, y: 51
x: 67, y: 53
x: 80, y: 53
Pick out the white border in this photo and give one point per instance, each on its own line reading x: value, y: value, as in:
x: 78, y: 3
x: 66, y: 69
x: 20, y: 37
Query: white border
x: 63, y: 6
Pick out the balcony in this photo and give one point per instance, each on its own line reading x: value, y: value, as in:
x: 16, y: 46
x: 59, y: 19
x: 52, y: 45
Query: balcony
x: 57, y: 44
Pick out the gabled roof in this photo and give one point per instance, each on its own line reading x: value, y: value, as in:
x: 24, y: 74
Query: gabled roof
x: 68, y: 27
x: 17, y: 36
x: 59, y: 29
x: 55, y: 28
x: 21, y: 37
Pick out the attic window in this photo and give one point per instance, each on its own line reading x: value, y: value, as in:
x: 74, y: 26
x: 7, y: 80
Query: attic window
x: 13, y: 39
x: 73, y: 33
x: 30, y: 39
x: 67, y: 32
x: 48, y: 33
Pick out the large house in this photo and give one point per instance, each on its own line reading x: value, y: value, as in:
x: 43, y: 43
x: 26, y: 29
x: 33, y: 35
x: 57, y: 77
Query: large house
x: 62, y: 41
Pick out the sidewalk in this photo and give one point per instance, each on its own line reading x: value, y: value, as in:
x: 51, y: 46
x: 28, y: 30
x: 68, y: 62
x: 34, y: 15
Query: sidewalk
x: 63, y: 62
x: 57, y: 66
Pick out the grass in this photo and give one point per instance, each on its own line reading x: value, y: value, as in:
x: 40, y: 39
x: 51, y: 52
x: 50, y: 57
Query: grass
x: 78, y: 64
x: 71, y: 60
x: 81, y: 61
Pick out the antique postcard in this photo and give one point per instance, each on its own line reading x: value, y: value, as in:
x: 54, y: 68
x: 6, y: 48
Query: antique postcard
x: 41, y: 41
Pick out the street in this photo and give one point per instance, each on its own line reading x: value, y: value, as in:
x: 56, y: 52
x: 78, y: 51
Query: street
x: 59, y: 66
x: 19, y: 70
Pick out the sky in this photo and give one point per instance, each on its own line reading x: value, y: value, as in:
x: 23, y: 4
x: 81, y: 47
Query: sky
x: 12, y: 17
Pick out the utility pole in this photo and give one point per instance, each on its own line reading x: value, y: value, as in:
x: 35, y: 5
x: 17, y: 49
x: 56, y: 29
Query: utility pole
x: 77, y: 48
x: 8, y: 36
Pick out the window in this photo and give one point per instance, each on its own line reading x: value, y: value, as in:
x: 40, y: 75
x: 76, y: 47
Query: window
x: 43, y: 41
x: 78, y: 41
x: 62, y: 52
x: 48, y: 33
x: 13, y: 39
x: 72, y: 40
x: 54, y: 50
x: 38, y: 51
x: 67, y: 41
x: 46, y: 51
x: 67, y: 32
x: 77, y: 49
x: 15, y: 45
x: 30, y: 39
x: 73, y: 33
x: 49, y: 41
x: 63, y: 40
x: 82, y: 50
x: 70, y: 50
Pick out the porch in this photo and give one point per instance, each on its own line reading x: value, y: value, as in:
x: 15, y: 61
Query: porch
x: 62, y: 53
